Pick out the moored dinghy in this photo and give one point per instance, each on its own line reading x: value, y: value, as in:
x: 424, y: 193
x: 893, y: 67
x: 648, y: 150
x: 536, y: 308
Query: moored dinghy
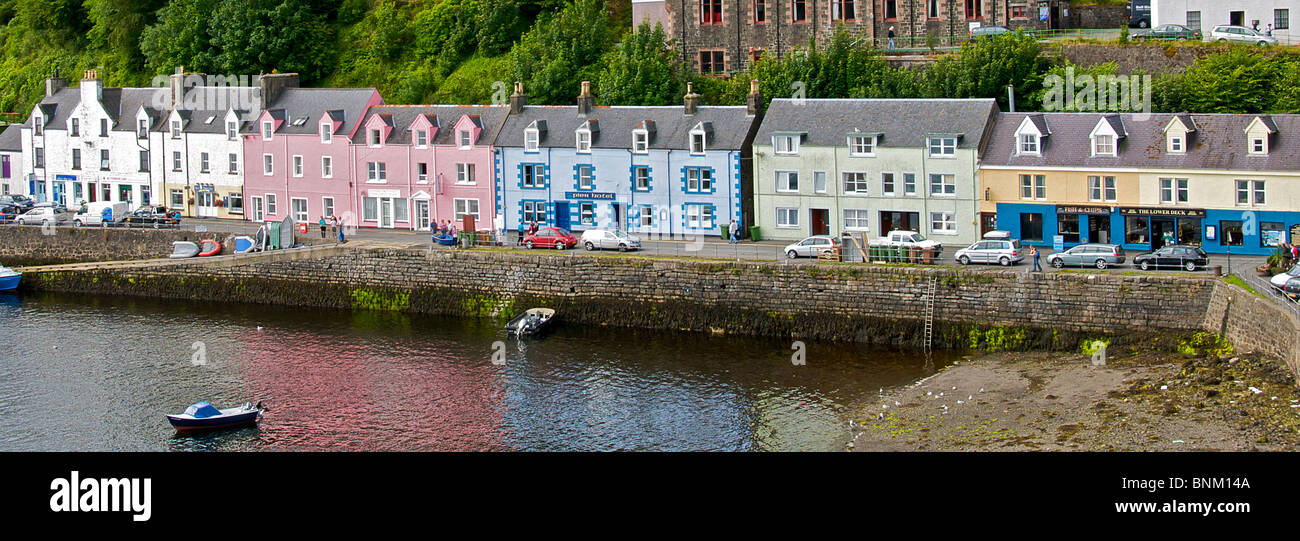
x: 204, y: 416
x: 244, y: 244
x: 209, y: 248
x: 9, y: 278
x: 182, y: 249
x: 532, y: 321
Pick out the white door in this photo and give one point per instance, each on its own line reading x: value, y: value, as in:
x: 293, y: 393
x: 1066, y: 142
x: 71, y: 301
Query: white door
x: 257, y: 209
x: 422, y: 215
x: 386, y: 212
x: 206, y: 207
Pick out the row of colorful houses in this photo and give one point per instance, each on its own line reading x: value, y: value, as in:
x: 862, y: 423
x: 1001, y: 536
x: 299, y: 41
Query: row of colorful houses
x: 950, y: 169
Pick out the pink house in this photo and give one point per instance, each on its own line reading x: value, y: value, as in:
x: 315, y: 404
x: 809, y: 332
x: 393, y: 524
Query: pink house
x: 425, y: 164
x: 298, y: 153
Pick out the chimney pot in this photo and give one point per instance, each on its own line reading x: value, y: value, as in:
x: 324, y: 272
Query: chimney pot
x: 586, y: 101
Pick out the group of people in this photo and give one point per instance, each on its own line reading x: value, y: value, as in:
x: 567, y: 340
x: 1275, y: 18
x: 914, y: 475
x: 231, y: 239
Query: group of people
x: 444, y: 228
x: 524, y: 232
x: 331, y: 224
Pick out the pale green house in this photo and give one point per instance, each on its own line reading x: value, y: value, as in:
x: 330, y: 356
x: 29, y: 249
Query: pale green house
x: 830, y: 166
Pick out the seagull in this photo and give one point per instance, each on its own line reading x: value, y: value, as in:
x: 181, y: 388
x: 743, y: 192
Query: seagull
x: 897, y: 403
x: 960, y: 402
x: 970, y: 396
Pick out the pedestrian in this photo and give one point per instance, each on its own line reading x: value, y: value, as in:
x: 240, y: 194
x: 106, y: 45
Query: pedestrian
x: 340, y: 228
x: 1033, y: 252
x: 1295, y: 253
x: 891, y: 37
x: 734, y: 230
x: 1268, y: 30
x: 1254, y: 25
x: 323, y: 227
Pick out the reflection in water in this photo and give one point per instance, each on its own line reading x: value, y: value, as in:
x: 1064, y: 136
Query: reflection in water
x: 98, y: 374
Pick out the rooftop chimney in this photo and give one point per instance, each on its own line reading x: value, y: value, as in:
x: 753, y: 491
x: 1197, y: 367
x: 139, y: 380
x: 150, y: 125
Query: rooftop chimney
x: 54, y: 83
x: 585, y: 99
x: 754, y: 101
x: 92, y: 90
x: 518, y: 100
x: 176, y: 83
x: 272, y: 85
x: 691, y: 101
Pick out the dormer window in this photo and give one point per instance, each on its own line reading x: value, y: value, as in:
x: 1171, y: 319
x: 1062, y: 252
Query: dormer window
x: 943, y: 147
x: 463, y: 135
x: 176, y: 129
x: 267, y: 128
x: 531, y: 139
x: 232, y: 129
x: 326, y: 133
x: 697, y: 142
x: 785, y: 144
x: 142, y: 129
x: 584, y: 140
x: 1259, y: 145
x: 1103, y: 145
x: 640, y: 141
x: 1029, y: 144
x: 421, y: 138
x: 1177, y: 145
x: 372, y: 137
x: 76, y: 127
x: 862, y: 145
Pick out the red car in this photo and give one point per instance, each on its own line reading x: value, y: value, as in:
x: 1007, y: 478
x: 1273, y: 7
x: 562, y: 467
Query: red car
x: 551, y: 237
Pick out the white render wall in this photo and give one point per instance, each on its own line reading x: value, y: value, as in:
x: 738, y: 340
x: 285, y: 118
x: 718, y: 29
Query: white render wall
x: 1216, y: 12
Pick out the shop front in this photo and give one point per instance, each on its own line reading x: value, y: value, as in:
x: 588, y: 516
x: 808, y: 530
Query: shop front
x: 1249, y: 232
x: 1040, y: 224
x: 1151, y: 228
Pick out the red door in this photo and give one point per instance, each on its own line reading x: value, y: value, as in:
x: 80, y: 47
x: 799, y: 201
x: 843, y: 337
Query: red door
x: 820, y: 222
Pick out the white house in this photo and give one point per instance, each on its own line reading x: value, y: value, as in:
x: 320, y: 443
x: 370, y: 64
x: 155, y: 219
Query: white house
x: 12, y: 172
x: 200, y: 148
x: 1206, y: 14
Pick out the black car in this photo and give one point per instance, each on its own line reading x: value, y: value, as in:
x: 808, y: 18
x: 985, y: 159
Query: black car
x: 1188, y: 258
x: 8, y: 213
x: 151, y: 216
x: 23, y: 202
x: 1292, y: 289
x: 1168, y: 32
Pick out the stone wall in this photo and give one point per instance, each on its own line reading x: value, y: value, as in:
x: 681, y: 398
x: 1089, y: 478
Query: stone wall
x: 976, y: 309
x: 1098, y: 16
x: 1254, y: 324
x: 1150, y: 57
x: 29, y: 245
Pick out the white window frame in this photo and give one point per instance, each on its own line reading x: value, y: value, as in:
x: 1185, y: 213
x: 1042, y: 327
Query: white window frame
x: 640, y: 141
x: 946, y: 220
x: 176, y: 129
x: 422, y: 177
x: 268, y: 164
x: 465, y: 174
x: 699, y: 142
x: 1037, y: 186
x: 376, y: 173
x: 909, y: 184
x: 783, y: 181
x: 1177, y: 144
x: 787, y: 217
x: 268, y: 130
x: 948, y: 180
x: 532, y: 139
x: 945, y: 150
x: 859, y: 185
x: 819, y: 182
x: 1029, y: 144
x: 204, y: 163
x: 584, y: 141
x: 860, y: 217
x: 177, y: 162
x: 326, y: 167
x: 421, y: 138
x: 638, y: 178
x: 327, y: 206
x: 862, y: 146
x: 232, y: 162
x: 297, y: 166
x: 464, y: 139
x: 293, y: 211
x: 271, y: 207
x: 460, y: 212
x: 696, y: 214
x: 1258, y: 146
x: 888, y: 188
x: 1104, y: 144
x: 791, y: 147
x: 374, y: 137
x: 326, y: 133
x: 535, y: 180
x: 232, y: 130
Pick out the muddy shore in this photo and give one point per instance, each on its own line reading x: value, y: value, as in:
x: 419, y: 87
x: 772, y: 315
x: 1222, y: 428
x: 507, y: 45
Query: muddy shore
x: 1150, y: 401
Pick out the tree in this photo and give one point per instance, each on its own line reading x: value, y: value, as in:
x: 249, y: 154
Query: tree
x: 984, y: 68
x: 641, y: 70
x: 1240, y: 80
x: 181, y: 37
x: 561, y: 51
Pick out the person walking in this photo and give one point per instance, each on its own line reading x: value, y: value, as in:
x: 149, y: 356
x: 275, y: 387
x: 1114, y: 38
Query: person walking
x: 323, y: 227
x: 340, y: 228
x: 891, y: 37
x: 1033, y: 252
x: 734, y: 230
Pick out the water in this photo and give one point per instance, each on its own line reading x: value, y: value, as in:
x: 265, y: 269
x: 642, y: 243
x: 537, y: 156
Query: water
x: 97, y: 374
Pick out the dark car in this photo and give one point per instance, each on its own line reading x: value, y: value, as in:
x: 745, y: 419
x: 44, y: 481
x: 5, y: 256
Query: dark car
x: 8, y: 213
x: 1292, y: 289
x: 23, y: 202
x: 988, y: 31
x: 1168, y: 32
x: 1188, y: 258
x: 156, y: 217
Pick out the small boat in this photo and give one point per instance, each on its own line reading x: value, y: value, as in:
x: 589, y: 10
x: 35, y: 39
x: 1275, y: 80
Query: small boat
x: 245, y: 243
x: 209, y: 247
x: 445, y: 239
x: 182, y: 249
x: 287, y: 229
x: 531, y: 322
x: 9, y: 278
x: 204, y: 416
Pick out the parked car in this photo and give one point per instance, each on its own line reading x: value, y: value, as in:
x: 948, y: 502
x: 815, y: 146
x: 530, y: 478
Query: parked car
x: 1292, y: 289
x: 23, y: 202
x: 155, y: 216
x: 99, y: 212
x: 988, y: 31
x: 43, y: 216
x: 909, y: 239
x: 1240, y: 34
x: 1167, y: 32
x: 1088, y: 255
x: 1279, y: 280
x: 605, y: 239
x: 1002, y: 252
x: 1188, y: 258
x: 812, y: 246
x: 551, y: 237
x: 8, y: 213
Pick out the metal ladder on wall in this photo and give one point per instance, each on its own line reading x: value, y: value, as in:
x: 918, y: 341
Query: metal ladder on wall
x: 929, y: 316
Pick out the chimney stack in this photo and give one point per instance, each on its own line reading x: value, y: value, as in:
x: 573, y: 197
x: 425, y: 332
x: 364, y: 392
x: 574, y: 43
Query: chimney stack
x: 518, y: 100
x: 176, y: 83
x: 272, y: 85
x: 92, y: 90
x: 586, y: 101
x: 691, y: 101
x: 754, y: 101
x: 54, y: 83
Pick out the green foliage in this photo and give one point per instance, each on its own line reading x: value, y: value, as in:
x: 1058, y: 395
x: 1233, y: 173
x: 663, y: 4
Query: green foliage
x: 561, y: 51
x: 472, y: 82
x: 641, y: 70
x: 1242, y: 79
x: 984, y: 68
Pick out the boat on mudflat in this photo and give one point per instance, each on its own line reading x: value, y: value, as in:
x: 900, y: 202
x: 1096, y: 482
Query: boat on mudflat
x: 9, y: 278
x: 205, y: 416
x: 531, y: 322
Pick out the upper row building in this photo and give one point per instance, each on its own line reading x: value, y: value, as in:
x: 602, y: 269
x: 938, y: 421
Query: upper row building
x: 950, y: 169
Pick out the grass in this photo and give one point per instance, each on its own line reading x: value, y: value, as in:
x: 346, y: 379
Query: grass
x: 1242, y: 284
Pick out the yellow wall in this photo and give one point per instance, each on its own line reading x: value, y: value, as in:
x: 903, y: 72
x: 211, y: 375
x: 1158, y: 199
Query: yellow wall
x: 1063, y: 187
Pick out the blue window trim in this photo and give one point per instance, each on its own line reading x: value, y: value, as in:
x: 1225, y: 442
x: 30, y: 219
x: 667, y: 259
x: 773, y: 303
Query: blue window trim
x: 546, y: 211
x: 577, y: 182
x: 546, y: 176
x: 650, y: 179
x: 713, y: 213
x: 713, y: 180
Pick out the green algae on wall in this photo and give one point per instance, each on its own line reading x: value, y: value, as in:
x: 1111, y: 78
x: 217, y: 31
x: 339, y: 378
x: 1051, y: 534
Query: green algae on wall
x: 368, y: 299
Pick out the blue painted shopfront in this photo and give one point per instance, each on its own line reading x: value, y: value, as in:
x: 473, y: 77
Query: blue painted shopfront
x: 1241, y: 231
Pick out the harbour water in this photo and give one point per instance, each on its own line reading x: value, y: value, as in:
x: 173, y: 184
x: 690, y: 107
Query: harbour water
x: 97, y: 374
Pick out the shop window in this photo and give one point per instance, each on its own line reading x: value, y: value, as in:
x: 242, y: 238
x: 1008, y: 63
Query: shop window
x: 1067, y: 225
x: 1230, y: 233
x: 1137, y: 230
x: 1031, y: 226
x: 1271, y: 234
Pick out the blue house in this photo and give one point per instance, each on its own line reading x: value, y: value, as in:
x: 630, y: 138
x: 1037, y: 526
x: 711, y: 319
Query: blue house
x: 665, y: 170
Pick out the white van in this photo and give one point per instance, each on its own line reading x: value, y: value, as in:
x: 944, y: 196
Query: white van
x: 100, y: 211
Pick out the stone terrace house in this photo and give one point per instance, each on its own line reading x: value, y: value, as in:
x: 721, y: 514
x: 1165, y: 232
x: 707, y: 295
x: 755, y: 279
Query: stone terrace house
x: 668, y: 170
x: 723, y: 36
x: 831, y: 166
x: 1221, y: 182
x: 299, y: 155
x: 13, y: 175
x: 427, y: 163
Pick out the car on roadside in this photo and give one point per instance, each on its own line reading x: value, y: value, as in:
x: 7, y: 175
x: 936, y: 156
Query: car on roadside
x: 43, y: 216
x: 1005, y: 252
x: 813, y: 246
x: 23, y: 202
x: 8, y: 213
x: 1088, y: 255
x: 1280, y: 279
x: 151, y: 216
x: 1167, y: 32
x: 1292, y: 289
x: 606, y: 239
x: 988, y: 32
x: 1240, y: 34
x: 908, y: 239
x: 1188, y: 258
x: 551, y: 237
x: 99, y: 213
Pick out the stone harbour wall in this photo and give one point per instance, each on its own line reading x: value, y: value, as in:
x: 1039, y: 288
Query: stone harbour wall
x: 1254, y: 324
x: 989, y: 309
x: 31, y: 245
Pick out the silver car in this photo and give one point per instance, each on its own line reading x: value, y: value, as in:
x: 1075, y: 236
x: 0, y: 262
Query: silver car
x: 42, y: 216
x: 1240, y: 34
x: 813, y: 246
x: 605, y: 239
x: 1088, y: 255
x: 1003, y: 252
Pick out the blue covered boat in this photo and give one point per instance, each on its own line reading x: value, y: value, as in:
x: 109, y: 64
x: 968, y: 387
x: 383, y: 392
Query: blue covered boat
x: 204, y: 416
x: 445, y: 239
x: 9, y: 278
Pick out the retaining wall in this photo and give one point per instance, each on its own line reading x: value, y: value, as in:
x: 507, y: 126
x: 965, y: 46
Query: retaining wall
x: 32, y: 245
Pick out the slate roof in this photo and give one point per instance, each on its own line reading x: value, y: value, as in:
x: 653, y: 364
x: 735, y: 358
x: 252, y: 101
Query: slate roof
x: 445, y: 117
x: 1219, y: 142
x: 901, y: 123
x: 11, y: 139
x: 122, y: 104
x: 312, y: 104
x: 672, y: 126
